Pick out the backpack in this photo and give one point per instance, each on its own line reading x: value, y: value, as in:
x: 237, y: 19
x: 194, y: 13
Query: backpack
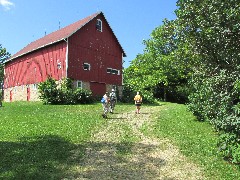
x: 112, y: 96
x: 103, y: 100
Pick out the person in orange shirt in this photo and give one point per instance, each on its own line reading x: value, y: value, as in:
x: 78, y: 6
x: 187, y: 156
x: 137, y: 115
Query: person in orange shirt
x: 138, y: 102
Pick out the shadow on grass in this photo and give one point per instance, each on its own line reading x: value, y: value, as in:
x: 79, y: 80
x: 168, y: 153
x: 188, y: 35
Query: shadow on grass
x: 40, y: 157
x: 53, y: 157
x: 125, y: 160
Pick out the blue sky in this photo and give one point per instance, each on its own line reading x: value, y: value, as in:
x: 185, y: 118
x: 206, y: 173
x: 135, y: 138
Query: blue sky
x: 24, y: 21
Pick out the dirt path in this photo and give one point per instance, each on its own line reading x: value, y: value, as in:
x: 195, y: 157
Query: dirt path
x: 110, y: 155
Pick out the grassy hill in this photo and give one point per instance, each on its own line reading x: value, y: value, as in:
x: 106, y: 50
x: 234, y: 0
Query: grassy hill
x: 48, y: 141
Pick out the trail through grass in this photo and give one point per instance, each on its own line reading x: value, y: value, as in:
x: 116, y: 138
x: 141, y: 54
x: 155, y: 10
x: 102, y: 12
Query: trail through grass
x: 121, y: 151
x: 74, y: 142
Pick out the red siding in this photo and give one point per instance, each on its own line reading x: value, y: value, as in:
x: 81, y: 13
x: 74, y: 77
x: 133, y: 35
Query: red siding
x: 35, y: 67
x: 100, y: 49
x: 98, y: 89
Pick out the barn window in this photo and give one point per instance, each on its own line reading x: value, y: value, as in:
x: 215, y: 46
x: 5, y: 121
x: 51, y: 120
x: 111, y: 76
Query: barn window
x: 99, y: 25
x: 35, y: 86
x: 109, y: 70
x: 59, y: 65
x: 79, y: 84
x: 86, y: 66
x: 115, y: 71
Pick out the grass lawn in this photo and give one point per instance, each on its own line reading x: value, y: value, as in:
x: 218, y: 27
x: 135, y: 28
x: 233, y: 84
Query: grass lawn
x: 48, y: 141
x: 197, y: 140
x: 38, y: 141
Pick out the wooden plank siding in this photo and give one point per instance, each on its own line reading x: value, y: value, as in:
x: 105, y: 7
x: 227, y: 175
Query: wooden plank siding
x: 99, y: 49
x: 35, y: 67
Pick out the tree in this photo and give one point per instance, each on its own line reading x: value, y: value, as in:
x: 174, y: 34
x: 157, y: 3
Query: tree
x: 162, y: 66
x: 4, y: 55
x: 210, y: 28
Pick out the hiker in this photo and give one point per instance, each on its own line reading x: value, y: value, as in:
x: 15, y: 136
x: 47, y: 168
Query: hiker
x: 138, y: 102
x: 113, y: 100
x: 105, y: 104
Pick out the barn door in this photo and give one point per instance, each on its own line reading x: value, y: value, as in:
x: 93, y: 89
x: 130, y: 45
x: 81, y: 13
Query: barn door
x: 98, y: 89
x: 11, y: 95
x: 28, y: 93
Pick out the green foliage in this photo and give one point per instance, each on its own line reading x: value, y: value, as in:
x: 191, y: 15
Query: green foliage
x: 161, y: 66
x: 83, y: 96
x: 4, y: 55
x: 229, y: 146
x: 48, y: 91
x: 128, y: 94
x: 64, y: 93
x: 210, y: 28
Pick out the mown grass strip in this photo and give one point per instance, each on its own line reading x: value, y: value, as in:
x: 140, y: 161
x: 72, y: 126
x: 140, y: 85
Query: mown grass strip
x: 196, y: 140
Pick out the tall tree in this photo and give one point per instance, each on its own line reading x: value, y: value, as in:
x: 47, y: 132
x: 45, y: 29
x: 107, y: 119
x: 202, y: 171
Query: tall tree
x: 163, y: 63
x: 4, y: 55
x: 211, y: 28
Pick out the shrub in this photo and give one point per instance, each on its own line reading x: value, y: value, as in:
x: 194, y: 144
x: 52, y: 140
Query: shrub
x: 48, y: 91
x: 128, y: 94
x: 64, y: 93
x: 216, y: 99
x: 83, y: 96
x: 229, y: 146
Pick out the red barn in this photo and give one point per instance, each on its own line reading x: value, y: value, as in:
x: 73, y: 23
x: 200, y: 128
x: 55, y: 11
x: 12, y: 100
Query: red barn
x: 86, y: 51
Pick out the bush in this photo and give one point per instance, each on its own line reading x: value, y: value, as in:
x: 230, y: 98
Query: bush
x: 83, y: 96
x: 64, y: 93
x: 229, y: 146
x: 48, y: 91
x: 216, y: 99
x: 128, y: 94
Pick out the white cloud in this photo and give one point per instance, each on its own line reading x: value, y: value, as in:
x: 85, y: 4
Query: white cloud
x: 6, y: 4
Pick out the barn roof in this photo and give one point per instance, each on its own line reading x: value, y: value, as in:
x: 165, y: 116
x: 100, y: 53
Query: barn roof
x: 57, y: 36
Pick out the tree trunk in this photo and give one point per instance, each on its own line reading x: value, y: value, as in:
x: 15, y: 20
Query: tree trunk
x: 164, y: 93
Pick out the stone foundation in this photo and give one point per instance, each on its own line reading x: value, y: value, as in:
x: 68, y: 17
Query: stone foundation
x: 30, y: 92
x: 20, y: 93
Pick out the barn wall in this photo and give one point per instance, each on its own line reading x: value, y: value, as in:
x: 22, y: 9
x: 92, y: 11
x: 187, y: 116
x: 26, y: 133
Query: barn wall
x: 100, y: 49
x: 33, y: 68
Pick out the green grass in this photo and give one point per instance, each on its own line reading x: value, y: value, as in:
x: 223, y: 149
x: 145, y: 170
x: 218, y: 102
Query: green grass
x: 72, y: 122
x: 48, y: 141
x: 197, y: 140
x: 38, y: 141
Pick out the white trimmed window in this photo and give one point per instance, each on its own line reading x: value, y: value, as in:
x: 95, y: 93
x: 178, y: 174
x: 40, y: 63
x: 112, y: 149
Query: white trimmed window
x: 86, y: 66
x: 79, y: 84
x: 99, y: 25
x: 35, y: 86
x: 109, y: 70
x: 115, y: 71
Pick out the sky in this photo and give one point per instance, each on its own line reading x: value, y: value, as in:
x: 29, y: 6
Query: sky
x: 132, y: 21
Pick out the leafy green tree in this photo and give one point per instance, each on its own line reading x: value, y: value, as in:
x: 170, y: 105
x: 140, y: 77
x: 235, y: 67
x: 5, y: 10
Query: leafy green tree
x: 162, y: 66
x: 211, y: 30
x: 4, y: 55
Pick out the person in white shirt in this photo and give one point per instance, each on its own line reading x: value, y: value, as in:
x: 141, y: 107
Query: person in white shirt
x: 113, y: 100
